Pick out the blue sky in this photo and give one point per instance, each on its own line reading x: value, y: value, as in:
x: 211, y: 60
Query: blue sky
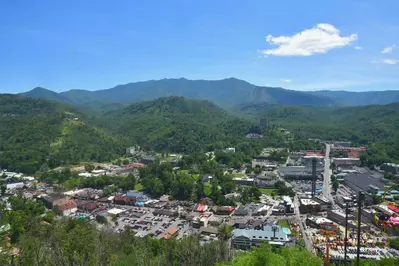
x: 97, y: 44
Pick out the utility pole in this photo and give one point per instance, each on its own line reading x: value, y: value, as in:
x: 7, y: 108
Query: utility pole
x: 359, y: 217
x: 346, y: 231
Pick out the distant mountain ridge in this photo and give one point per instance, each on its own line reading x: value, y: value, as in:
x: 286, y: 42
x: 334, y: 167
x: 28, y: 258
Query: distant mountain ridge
x: 225, y: 93
x: 351, y: 98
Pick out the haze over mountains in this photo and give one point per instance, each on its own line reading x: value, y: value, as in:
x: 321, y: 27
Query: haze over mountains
x: 226, y: 93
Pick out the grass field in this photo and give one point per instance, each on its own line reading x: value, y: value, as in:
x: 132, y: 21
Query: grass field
x: 268, y: 190
x: 195, y: 177
x: 207, y: 189
x: 138, y: 187
x: 183, y: 171
x: 283, y: 223
x: 237, y: 175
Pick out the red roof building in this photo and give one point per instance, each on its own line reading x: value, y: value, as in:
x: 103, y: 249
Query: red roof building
x: 67, y: 207
x: 87, y: 205
x: 135, y: 165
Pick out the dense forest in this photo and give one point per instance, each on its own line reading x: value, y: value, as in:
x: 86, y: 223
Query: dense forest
x: 374, y: 126
x: 37, y: 134
x: 176, y: 124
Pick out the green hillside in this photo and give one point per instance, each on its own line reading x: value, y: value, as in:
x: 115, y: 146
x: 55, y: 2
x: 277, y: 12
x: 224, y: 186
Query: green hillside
x: 176, y: 124
x: 374, y: 125
x: 35, y: 133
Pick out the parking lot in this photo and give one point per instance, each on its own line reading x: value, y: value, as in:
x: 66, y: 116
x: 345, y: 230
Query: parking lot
x: 144, y: 222
x: 305, y: 185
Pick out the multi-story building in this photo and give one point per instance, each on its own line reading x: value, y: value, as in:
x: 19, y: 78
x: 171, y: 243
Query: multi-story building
x: 244, y: 181
x: 299, y: 172
x: 344, y: 162
x: 246, y: 238
x: 309, y: 206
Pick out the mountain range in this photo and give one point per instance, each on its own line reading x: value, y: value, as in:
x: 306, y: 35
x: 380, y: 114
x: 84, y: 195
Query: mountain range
x: 227, y: 93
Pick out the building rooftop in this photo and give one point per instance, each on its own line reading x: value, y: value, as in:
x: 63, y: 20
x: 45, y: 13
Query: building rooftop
x: 115, y: 211
x: 208, y: 230
x: 243, y: 179
x: 170, y: 233
x: 308, y: 202
x: 266, y: 234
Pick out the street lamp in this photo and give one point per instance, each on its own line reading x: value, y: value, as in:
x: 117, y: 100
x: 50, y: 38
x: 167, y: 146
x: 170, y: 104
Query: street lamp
x: 362, y: 196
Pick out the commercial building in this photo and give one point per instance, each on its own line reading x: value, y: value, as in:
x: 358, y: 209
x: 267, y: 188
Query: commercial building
x: 87, y: 205
x: 264, y: 163
x: 172, y: 232
x: 241, y: 211
x: 244, y: 181
x: 344, y: 162
x: 215, y: 221
x: 338, y: 216
x: 299, y: 172
x: 224, y: 210
x: 124, y: 200
x: 353, y: 152
x: 325, y: 204
x: 246, y: 238
x: 318, y: 222
x: 114, y: 212
x: 288, y: 204
x: 208, y: 231
x: 297, y: 155
x: 53, y: 199
x: 14, y: 186
x: 67, y: 208
x: 309, y: 206
x: 307, y: 160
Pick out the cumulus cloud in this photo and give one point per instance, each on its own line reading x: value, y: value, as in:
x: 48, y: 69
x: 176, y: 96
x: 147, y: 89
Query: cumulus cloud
x: 388, y: 50
x: 358, y: 48
x: 317, y: 40
x: 286, y: 80
x: 390, y: 61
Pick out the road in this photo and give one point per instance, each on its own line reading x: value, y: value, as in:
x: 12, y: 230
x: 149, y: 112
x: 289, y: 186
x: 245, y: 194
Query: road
x: 308, y: 242
x: 327, y: 176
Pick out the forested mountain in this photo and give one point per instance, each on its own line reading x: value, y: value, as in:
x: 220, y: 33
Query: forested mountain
x: 177, y: 124
x: 36, y: 133
x: 373, y: 125
x: 45, y: 94
x: 351, y: 98
x: 226, y: 93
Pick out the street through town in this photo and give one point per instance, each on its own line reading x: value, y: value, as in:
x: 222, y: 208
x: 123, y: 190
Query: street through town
x: 327, y: 176
x: 308, y: 242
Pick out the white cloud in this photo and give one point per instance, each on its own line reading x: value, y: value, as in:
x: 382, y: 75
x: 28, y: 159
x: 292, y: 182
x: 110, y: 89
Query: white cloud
x: 317, y: 40
x: 358, y: 48
x: 390, y: 61
x: 286, y: 80
x: 388, y: 50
